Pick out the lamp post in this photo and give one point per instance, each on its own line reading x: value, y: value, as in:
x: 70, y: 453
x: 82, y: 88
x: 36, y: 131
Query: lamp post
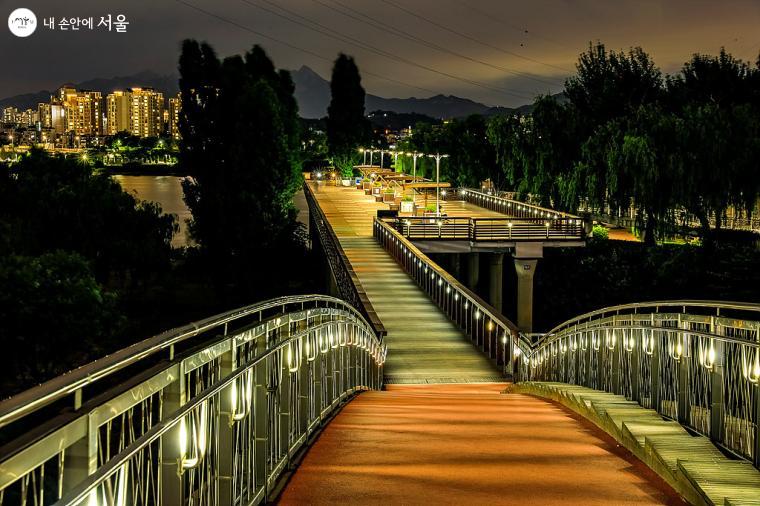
x: 438, y: 157
x: 414, y: 156
x: 364, y: 152
x: 395, y: 160
x: 381, y: 158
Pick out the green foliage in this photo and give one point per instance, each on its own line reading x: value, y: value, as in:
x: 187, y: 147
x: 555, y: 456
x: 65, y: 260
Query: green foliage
x: 54, y: 314
x: 573, y: 281
x: 611, y: 84
x: 536, y: 153
x: 627, y: 136
x: 51, y: 203
x: 241, y: 145
x: 472, y: 158
x: 600, y: 233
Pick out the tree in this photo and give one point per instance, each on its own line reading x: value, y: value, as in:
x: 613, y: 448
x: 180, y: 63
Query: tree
x: 719, y: 101
x: 54, y: 316
x: 648, y: 165
x: 506, y: 134
x: 242, y: 150
x: 721, y: 150
x: 51, y: 203
x: 472, y: 158
x: 611, y: 84
x: 347, y: 128
x: 718, y: 80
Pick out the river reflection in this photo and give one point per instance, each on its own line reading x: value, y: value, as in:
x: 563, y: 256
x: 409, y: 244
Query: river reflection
x: 164, y: 190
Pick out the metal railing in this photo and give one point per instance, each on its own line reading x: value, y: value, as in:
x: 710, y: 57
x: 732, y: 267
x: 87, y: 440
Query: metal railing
x: 490, y: 229
x: 349, y: 286
x: 207, y: 414
x: 490, y: 331
x: 697, y: 362
x: 511, y: 207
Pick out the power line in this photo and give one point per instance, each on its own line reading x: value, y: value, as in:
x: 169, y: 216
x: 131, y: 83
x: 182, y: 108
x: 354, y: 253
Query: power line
x: 491, y: 17
x: 381, y: 26
x: 469, y: 37
x: 324, y: 30
x: 293, y: 46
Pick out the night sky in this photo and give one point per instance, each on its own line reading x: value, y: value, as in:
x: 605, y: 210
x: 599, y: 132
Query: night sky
x: 500, y: 52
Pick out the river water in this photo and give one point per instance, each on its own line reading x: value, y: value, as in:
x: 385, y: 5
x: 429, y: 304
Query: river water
x: 165, y: 191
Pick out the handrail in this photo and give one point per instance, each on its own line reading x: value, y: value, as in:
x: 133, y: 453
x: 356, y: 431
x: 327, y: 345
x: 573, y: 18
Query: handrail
x: 694, y: 361
x: 22, y: 404
x: 84, y: 491
x: 348, y: 282
x: 289, y: 362
x: 506, y: 229
x: 479, y: 320
x: 655, y: 305
x: 509, y: 206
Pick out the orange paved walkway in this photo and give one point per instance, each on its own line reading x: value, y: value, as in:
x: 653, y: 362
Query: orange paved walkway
x: 467, y: 444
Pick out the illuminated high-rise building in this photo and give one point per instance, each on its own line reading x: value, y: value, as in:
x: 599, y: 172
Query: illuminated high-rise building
x: 175, y: 105
x: 117, y: 113
x: 83, y: 110
x: 10, y: 115
x: 139, y: 111
x: 146, y: 110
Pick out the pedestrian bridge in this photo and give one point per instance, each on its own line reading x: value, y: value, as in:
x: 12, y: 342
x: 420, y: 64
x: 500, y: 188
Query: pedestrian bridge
x: 637, y: 404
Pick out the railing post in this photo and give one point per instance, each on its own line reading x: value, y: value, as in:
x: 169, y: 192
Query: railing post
x: 174, y: 397
x: 717, y: 407
x: 615, y: 358
x: 683, y: 375
x: 318, y: 373
x: 225, y: 427
x: 284, y: 414
x: 634, y: 364
x: 655, y: 368
x: 81, y: 459
x: 261, y: 425
x: 304, y: 392
x: 757, y: 425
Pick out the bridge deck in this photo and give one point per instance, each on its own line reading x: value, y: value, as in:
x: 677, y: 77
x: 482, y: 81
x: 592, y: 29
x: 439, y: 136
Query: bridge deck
x: 467, y: 444
x: 423, y: 345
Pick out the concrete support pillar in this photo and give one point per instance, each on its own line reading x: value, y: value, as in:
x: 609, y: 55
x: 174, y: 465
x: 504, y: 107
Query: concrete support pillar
x: 495, y: 276
x: 525, y: 268
x: 473, y: 270
x: 456, y: 267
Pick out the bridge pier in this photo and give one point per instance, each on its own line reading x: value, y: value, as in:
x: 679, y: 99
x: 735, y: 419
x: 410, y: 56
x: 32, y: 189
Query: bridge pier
x: 495, y: 277
x: 473, y: 270
x: 526, y: 257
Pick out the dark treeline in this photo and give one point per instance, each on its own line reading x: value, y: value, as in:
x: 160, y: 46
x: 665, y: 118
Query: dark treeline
x: 74, y: 249
x: 622, y: 132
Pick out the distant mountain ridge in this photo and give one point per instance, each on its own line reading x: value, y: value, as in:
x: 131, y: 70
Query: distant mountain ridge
x: 312, y: 93
x: 167, y: 84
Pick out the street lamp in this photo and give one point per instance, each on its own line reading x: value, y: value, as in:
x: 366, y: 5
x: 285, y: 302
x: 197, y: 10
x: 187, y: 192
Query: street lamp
x: 395, y: 160
x: 381, y: 158
x: 415, y: 155
x: 438, y: 157
x: 364, y: 152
